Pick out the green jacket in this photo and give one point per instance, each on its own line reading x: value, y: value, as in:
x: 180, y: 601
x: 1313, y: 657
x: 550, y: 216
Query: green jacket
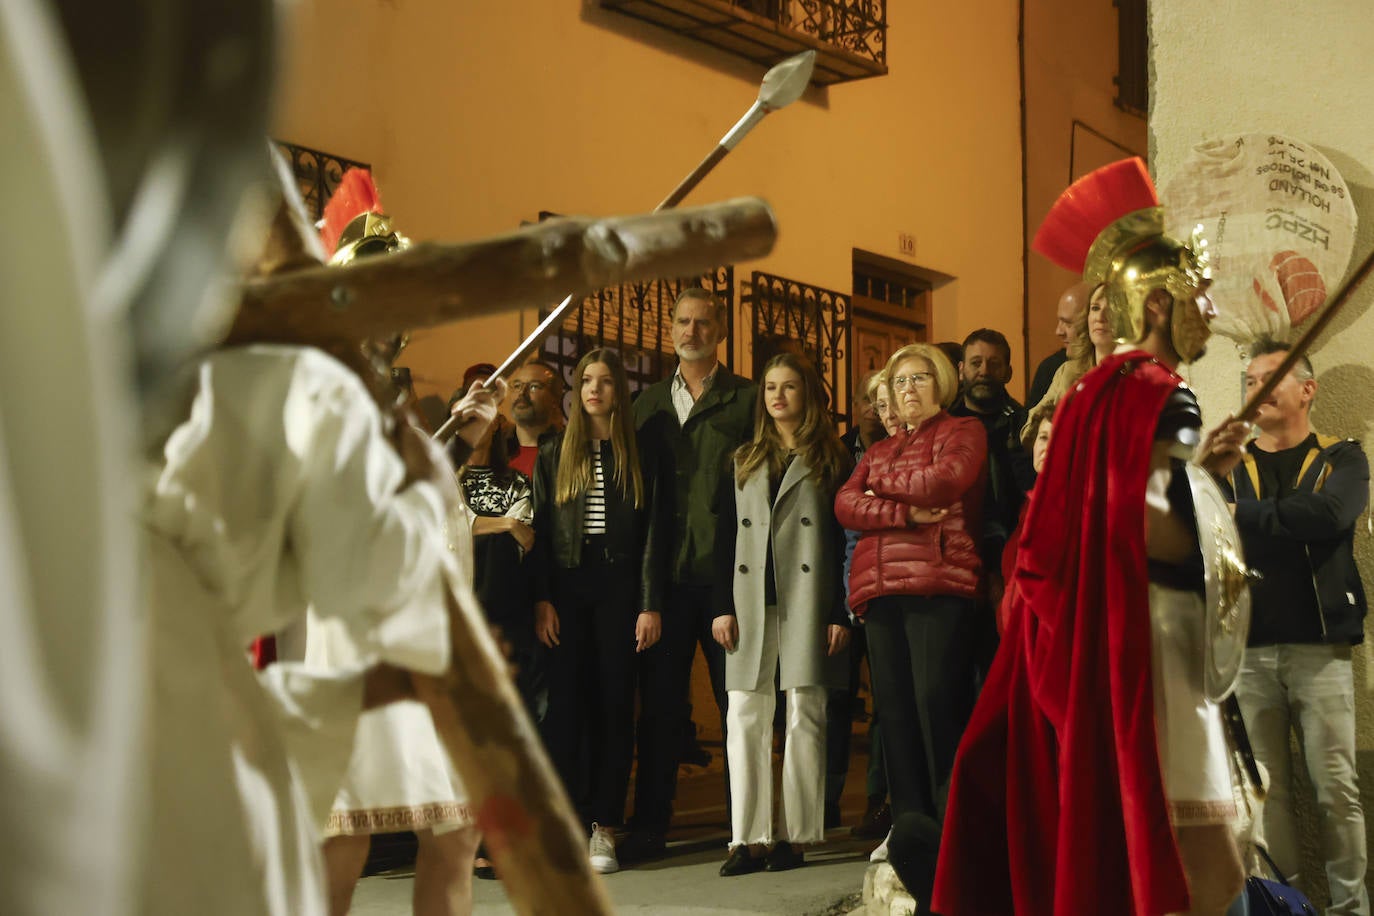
x: 696, y: 455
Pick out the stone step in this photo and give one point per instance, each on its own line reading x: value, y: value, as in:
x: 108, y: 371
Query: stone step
x: 884, y: 894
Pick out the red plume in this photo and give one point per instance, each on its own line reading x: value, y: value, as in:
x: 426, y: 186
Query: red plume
x: 355, y: 195
x: 1089, y: 205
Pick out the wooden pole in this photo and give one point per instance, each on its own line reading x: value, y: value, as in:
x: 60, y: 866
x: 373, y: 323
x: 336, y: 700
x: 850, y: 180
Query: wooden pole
x: 526, y: 819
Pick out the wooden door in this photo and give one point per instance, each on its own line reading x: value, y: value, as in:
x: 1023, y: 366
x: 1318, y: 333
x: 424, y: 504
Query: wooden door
x: 874, y: 340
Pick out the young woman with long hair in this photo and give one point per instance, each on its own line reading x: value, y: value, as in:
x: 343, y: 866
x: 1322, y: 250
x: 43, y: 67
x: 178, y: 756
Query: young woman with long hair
x: 598, y: 588
x: 782, y: 613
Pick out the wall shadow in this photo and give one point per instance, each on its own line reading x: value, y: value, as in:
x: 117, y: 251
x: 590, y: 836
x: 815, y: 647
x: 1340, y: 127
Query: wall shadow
x: 1359, y: 182
x: 1343, y: 407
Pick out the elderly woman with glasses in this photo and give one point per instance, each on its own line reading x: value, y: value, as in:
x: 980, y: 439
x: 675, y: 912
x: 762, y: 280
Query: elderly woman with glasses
x: 916, y: 498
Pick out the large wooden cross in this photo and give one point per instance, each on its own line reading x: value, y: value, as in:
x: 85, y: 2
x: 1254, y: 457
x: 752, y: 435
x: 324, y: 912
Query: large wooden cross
x: 531, y: 832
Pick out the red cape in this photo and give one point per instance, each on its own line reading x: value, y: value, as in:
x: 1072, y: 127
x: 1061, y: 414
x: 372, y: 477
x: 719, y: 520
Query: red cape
x: 1057, y: 804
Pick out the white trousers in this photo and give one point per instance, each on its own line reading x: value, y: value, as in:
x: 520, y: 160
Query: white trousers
x: 749, y: 746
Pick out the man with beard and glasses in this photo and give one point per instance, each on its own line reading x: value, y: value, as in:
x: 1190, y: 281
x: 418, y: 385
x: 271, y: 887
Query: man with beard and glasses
x: 537, y: 409
x: 984, y: 373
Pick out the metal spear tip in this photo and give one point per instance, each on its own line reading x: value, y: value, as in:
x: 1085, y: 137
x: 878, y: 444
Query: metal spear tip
x: 785, y: 83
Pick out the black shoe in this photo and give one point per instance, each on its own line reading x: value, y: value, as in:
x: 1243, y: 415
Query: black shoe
x: 485, y: 872
x: 913, y: 850
x: 740, y: 862
x: 877, y: 821
x: 641, y: 846
x: 695, y: 755
x: 784, y: 858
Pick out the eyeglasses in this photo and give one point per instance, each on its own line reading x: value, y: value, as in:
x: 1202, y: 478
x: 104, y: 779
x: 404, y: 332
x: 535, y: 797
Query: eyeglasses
x: 903, y: 382
x: 531, y: 387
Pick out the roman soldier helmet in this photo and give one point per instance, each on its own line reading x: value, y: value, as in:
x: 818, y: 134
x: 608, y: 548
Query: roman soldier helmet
x: 354, y: 223
x: 1109, y: 226
x: 354, y: 226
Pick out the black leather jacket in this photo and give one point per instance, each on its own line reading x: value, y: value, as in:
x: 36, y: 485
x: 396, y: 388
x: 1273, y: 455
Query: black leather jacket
x: 633, y: 536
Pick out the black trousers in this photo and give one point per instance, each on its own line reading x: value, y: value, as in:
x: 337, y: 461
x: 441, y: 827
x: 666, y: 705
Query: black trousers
x: 589, y: 726
x: 839, y: 722
x: 665, y: 676
x: 921, y: 652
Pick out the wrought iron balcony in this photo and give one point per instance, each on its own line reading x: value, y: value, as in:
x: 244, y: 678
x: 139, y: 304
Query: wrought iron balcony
x: 848, y: 36
x: 317, y: 173
x: 635, y: 320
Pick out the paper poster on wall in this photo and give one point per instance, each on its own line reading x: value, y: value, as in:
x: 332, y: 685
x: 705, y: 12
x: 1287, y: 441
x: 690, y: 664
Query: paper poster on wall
x: 1279, y: 224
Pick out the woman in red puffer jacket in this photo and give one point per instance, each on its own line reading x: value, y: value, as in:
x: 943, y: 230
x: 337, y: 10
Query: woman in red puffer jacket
x: 917, y: 499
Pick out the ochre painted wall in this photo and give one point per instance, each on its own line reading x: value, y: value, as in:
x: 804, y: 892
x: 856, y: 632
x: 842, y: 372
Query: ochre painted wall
x: 1232, y: 66
x: 476, y: 116
x: 1072, y: 126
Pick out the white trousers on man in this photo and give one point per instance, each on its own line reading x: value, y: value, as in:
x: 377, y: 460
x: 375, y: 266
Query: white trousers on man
x: 1310, y: 688
x: 749, y: 746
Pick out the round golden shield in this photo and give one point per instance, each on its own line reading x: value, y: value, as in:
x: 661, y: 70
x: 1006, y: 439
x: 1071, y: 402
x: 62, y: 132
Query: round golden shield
x: 1227, y: 581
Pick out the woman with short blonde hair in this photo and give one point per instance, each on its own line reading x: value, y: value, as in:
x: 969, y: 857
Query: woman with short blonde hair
x: 945, y: 377
x: 917, y: 499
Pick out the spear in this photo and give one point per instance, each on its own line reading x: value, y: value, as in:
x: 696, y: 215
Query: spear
x: 782, y: 85
x: 1304, y: 343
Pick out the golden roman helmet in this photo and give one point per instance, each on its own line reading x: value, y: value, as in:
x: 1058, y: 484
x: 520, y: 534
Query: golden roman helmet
x: 1133, y: 257
x: 354, y: 226
x: 354, y: 223
x: 367, y: 234
x: 1109, y: 227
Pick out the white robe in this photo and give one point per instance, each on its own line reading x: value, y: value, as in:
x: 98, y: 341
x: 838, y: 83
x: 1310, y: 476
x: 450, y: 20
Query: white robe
x: 400, y: 776
x: 280, y: 492
x: 71, y: 639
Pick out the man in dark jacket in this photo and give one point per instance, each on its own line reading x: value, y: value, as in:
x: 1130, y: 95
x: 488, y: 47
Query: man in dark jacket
x: 698, y: 417
x: 984, y: 373
x: 1298, y: 497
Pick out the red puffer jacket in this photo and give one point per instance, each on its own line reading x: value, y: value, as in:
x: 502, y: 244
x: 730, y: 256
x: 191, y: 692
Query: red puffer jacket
x: 942, y: 463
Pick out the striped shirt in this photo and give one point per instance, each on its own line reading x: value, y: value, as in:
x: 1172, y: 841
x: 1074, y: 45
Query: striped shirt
x: 594, y: 516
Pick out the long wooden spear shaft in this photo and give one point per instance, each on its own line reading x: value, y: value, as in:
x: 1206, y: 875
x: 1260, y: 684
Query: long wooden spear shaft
x: 782, y: 85
x: 1304, y: 343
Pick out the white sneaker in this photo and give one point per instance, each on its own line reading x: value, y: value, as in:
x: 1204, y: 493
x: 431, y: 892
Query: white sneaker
x: 880, y: 854
x: 604, y: 861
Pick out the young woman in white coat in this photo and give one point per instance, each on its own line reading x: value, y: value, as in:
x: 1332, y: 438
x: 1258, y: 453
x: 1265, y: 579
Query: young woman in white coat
x: 783, y: 617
